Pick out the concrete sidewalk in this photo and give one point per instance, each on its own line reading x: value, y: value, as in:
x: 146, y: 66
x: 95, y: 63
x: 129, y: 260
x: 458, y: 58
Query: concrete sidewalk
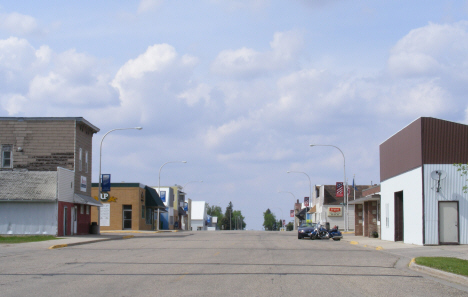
x: 411, y: 251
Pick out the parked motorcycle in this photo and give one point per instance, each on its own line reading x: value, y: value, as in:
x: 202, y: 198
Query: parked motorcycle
x: 320, y: 232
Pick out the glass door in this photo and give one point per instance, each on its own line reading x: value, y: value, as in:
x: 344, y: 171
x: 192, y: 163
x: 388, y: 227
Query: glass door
x: 127, y: 216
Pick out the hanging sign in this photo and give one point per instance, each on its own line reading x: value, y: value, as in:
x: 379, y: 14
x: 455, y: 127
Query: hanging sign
x: 291, y: 213
x: 339, y: 189
x: 306, y: 201
x: 105, y: 182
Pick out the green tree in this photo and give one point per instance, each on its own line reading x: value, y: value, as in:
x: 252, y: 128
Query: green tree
x: 269, y: 220
x: 463, y: 169
x: 216, y: 211
x: 290, y: 226
x: 227, y: 219
x: 238, y: 220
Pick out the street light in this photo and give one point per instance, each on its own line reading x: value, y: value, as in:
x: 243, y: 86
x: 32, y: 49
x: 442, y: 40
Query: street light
x: 294, y: 225
x: 345, y: 188
x: 100, y: 157
x: 159, y: 184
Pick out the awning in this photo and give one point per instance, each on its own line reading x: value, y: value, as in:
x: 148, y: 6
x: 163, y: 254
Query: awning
x: 365, y: 199
x: 83, y: 199
x: 152, y: 199
x: 313, y: 209
x: 301, y: 214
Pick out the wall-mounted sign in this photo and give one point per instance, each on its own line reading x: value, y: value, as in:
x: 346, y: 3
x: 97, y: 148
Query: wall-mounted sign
x: 306, y: 201
x: 163, y: 196
x: 105, y: 182
x: 83, y: 184
x: 105, y: 215
x: 185, y: 206
x: 335, y: 211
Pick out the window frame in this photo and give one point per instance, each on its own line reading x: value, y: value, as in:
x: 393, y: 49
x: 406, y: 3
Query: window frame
x: 7, y: 148
x: 80, y: 159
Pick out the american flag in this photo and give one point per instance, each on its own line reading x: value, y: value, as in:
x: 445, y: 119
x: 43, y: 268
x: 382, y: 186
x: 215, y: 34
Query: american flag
x: 339, y: 189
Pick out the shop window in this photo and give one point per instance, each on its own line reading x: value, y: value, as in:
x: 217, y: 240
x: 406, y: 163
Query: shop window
x: 142, y: 211
x: 82, y: 209
x: 7, y: 156
x: 87, y: 209
x: 149, y: 217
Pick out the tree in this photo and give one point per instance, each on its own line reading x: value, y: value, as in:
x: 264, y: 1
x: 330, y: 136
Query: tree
x: 238, y: 220
x: 227, y: 219
x: 279, y: 224
x: 463, y: 169
x: 269, y: 220
x: 216, y: 211
x: 290, y: 226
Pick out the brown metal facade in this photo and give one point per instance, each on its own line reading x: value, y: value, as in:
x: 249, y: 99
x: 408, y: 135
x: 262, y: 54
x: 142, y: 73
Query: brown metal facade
x: 424, y: 141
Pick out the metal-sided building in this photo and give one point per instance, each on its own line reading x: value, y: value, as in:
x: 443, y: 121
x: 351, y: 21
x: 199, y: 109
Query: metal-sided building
x: 422, y: 194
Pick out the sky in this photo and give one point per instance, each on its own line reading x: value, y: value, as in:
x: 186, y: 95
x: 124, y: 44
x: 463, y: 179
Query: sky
x: 238, y: 89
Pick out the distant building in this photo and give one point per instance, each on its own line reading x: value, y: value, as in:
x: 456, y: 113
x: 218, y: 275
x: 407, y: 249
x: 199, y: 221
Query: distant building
x: 45, y: 175
x: 199, y: 216
x: 128, y: 206
x: 329, y: 208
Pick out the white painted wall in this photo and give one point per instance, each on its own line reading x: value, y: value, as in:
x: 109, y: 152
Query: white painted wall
x: 28, y: 218
x: 411, y: 185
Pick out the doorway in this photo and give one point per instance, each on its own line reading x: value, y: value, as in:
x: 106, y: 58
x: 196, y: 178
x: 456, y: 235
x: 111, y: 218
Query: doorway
x: 65, y: 221
x: 399, y: 221
x: 127, y: 216
x: 448, y: 222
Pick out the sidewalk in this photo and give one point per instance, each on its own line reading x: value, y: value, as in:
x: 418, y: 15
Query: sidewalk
x: 411, y: 251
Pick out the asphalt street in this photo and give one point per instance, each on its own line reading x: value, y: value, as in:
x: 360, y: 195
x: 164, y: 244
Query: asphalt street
x: 231, y: 263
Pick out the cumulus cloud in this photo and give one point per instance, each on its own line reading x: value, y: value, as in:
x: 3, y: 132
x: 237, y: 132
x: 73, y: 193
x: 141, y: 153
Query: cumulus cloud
x: 246, y: 62
x: 431, y: 50
x: 18, y: 24
x: 35, y: 81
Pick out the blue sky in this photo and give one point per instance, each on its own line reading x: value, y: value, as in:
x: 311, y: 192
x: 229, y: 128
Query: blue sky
x: 238, y: 89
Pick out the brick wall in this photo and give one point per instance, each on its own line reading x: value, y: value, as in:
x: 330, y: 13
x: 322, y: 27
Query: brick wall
x: 358, y: 211
x: 123, y: 196
x: 45, y: 144
x: 84, y: 140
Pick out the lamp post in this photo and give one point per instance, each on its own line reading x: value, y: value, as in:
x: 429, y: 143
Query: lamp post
x: 159, y: 184
x: 294, y: 224
x: 345, y: 188
x: 99, y: 177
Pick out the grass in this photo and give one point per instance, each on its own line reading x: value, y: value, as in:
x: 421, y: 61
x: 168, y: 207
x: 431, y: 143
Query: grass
x: 453, y: 265
x: 25, y: 238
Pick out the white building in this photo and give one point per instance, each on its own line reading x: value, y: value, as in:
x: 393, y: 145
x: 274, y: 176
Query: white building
x: 422, y: 196
x: 199, y: 215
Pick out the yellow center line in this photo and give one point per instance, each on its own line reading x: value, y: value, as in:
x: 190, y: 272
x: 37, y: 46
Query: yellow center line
x: 217, y: 253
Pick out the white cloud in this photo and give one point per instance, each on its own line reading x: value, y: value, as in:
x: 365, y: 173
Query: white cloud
x: 431, y: 50
x: 36, y: 81
x: 193, y: 96
x: 246, y: 62
x: 18, y: 24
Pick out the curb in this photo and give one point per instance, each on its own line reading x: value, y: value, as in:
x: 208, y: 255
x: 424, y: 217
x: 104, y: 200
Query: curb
x: 451, y: 277
x: 378, y: 248
x: 58, y: 246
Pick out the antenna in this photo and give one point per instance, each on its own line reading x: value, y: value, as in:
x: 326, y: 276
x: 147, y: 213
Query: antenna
x: 438, y: 175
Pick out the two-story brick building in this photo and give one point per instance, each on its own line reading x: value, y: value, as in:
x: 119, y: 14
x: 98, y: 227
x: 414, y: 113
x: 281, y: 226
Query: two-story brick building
x: 45, y: 175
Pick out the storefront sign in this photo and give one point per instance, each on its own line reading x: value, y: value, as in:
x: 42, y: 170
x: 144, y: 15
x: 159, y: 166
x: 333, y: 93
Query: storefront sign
x: 335, y: 211
x: 105, y: 215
